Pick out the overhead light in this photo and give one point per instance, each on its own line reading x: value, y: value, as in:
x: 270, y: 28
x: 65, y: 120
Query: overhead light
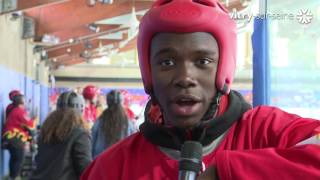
x: 68, y: 50
x: 50, y: 39
x: 43, y: 55
x: 37, y: 49
x: 85, y: 54
x: 91, y: 2
x: 94, y: 28
x: 15, y: 15
x: 87, y: 44
x: 106, y: 1
x: 71, y: 40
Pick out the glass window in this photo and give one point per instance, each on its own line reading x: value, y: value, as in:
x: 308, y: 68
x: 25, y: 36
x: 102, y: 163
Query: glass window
x: 294, y: 55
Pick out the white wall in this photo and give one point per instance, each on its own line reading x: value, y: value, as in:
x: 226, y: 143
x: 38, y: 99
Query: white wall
x: 17, y: 54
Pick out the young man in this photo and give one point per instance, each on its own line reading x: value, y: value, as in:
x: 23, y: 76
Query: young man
x: 187, y: 52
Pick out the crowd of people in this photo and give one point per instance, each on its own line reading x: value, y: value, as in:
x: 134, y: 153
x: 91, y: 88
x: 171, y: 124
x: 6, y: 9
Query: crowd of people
x: 187, y: 57
x: 70, y: 136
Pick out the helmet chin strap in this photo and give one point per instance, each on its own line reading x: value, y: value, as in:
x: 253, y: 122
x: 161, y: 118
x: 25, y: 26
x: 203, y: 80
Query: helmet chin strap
x: 224, y: 90
x: 211, y: 113
x: 213, y: 107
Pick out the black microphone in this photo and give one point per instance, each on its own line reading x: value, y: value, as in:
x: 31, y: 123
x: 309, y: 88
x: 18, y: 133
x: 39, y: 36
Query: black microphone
x: 190, y: 160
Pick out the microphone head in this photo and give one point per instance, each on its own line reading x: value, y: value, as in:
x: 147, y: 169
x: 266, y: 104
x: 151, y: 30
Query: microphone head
x: 191, y: 156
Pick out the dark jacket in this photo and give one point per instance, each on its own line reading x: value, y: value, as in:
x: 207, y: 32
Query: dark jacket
x: 66, y: 160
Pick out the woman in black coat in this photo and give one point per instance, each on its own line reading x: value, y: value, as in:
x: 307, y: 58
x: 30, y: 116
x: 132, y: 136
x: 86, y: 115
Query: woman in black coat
x: 64, y: 142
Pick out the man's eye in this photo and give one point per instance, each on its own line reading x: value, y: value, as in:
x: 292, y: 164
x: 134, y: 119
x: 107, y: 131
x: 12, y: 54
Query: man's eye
x: 167, y: 62
x: 204, y: 61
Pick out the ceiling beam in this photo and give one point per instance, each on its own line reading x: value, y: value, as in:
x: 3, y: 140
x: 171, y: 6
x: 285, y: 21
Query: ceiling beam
x: 75, y: 13
x: 88, y: 37
x: 66, y: 35
x: 65, y: 58
x: 69, y: 62
x: 132, y: 44
x: 78, y: 48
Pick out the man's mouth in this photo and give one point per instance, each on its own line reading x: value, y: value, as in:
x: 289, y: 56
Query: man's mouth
x: 186, y: 105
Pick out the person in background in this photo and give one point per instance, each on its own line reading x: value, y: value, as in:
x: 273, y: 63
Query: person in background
x: 90, y: 112
x: 11, y: 97
x: 100, y: 105
x: 17, y: 131
x: 64, y: 141
x: 187, y: 57
x: 112, y: 126
x: 126, y: 105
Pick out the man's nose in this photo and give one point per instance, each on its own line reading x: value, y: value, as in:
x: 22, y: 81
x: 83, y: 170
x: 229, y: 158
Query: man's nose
x: 185, y: 76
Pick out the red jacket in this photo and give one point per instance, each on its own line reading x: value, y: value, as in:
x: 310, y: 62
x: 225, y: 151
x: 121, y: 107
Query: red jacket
x: 9, y: 109
x: 130, y: 114
x: 90, y: 113
x: 17, y: 124
x: 262, y: 145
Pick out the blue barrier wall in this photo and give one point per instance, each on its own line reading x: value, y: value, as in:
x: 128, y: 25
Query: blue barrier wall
x: 36, y: 96
x: 44, y: 102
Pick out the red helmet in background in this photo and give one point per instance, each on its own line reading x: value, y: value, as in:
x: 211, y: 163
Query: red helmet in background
x: 14, y: 93
x: 188, y: 16
x: 89, y: 92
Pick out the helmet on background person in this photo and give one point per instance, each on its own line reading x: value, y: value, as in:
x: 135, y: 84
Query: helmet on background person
x: 14, y: 93
x: 16, y: 97
x: 71, y: 99
x: 202, y: 16
x: 90, y: 92
x: 114, y: 97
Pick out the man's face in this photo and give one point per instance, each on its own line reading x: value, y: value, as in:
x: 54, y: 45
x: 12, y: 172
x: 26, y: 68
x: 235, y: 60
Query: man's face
x: 183, y: 68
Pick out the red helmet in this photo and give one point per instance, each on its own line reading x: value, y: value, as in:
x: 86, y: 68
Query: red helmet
x: 14, y: 93
x: 187, y: 16
x: 89, y: 92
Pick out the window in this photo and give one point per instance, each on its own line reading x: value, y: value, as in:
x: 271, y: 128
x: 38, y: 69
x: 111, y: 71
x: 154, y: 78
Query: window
x: 295, y: 56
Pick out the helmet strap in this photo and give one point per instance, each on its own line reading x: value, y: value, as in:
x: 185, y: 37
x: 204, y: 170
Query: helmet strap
x: 224, y: 90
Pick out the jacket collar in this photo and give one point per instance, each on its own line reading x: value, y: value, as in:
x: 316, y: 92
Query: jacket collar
x: 211, y: 127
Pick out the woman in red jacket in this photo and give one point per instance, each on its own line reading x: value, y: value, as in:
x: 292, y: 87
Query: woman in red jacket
x: 187, y: 56
x: 16, y: 132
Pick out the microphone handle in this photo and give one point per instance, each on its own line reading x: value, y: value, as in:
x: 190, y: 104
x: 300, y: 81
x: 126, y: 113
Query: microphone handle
x: 187, y: 175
